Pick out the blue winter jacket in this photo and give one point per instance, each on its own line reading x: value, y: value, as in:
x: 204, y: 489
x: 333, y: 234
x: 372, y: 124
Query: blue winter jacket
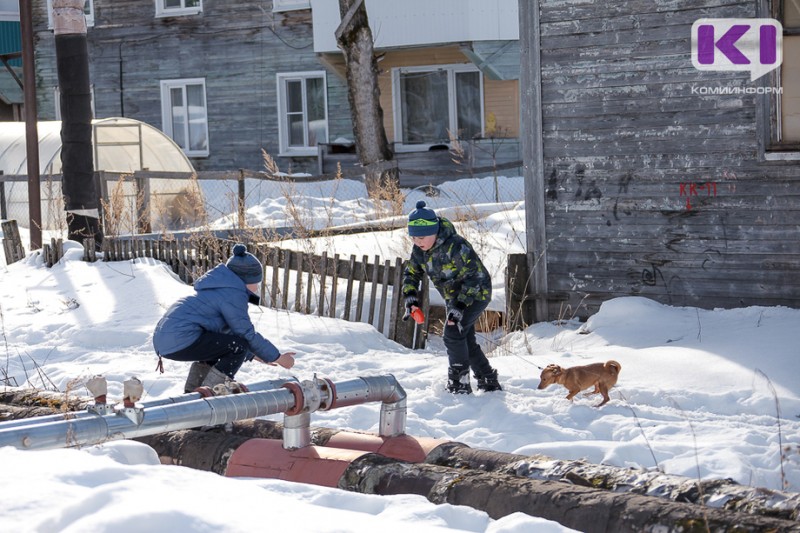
x: 219, y: 304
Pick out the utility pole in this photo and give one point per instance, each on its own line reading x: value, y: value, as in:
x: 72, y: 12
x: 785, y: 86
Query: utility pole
x: 81, y: 200
x: 530, y: 81
x: 31, y: 125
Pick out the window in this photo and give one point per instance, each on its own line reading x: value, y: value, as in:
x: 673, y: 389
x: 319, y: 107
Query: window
x: 290, y: 5
x: 780, y: 110
x: 429, y: 102
x: 173, y: 8
x: 790, y: 75
x: 184, y: 114
x: 302, y: 112
x: 88, y: 10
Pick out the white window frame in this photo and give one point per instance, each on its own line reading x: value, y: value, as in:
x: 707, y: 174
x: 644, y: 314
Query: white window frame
x: 283, y: 123
x: 88, y: 9
x: 279, y: 6
x: 166, y: 113
x: 397, y: 107
x: 57, y: 101
x: 163, y: 11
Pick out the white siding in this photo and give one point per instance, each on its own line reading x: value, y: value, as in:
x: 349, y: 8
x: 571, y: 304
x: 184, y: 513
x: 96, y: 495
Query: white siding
x: 422, y: 22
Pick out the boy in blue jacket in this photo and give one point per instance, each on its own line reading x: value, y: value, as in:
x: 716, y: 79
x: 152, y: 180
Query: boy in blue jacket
x: 460, y: 277
x: 212, y: 326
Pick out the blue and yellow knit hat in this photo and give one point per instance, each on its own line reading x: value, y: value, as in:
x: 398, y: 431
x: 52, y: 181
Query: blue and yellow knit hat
x: 422, y: 222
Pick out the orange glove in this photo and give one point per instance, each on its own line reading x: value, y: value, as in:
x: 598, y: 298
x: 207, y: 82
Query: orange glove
x: 418, y: 315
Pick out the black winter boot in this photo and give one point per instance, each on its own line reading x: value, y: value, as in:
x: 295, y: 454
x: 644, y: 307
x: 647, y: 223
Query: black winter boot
x: 458, y: 380
x: 489, y: 383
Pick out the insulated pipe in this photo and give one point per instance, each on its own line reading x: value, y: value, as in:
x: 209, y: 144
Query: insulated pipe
x: 293, y: 399
x: 385, y: 389
x: 138, y: 422
x: 93, y: 410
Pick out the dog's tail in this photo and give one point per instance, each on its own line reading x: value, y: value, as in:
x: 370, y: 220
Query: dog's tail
x: 613, y: 365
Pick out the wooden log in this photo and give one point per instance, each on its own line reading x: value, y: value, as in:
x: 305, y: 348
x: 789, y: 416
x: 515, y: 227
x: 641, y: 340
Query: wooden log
x: 582, y: 508
x: 28, y: 397
x: 14, y: 412
x: 201, y: 450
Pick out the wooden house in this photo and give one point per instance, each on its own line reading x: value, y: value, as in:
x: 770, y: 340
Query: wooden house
x: 661, y: 179
x: 227, y: 80
x: 659, y: 176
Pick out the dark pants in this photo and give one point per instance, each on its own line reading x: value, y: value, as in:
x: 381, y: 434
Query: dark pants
x: 463, y: 351
x: 223, y: 351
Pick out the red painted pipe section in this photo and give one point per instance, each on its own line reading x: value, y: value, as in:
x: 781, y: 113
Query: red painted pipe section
x: 267, y: 458
x: 403, y: 447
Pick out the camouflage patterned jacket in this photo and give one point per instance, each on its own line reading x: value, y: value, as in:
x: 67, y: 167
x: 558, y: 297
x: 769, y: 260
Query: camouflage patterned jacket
x: 452, y: 265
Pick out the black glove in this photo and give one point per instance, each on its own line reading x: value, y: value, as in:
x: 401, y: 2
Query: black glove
x: 456, y: 313
x: 411, y: 301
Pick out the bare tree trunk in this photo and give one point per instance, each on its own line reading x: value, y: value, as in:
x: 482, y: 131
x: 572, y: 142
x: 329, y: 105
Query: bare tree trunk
x: 355, y: 39
x: 81, y: 199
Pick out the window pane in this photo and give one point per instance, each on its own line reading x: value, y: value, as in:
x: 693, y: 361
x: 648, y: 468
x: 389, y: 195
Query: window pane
x: 423, y: 103
x: 193, y: 3
x: 315, y: 101
x: 171, y: 4
x: 790, y: 79
x: 197, y: 117
x: 468, y: 104
x: 294, y: 96
x: 178, y: 117
x: 296, y: 130
x: 791, y: 15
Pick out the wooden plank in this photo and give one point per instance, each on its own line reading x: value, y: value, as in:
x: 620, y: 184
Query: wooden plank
x: 362, y: 283
x: 374, y: 292
x: 287, y: 268
x: 310, y: 262
x: 275, y: 260
x: 334, y: 286
x: 384, y: 296
x: 323, y: 274
x: 348, y: 295
x: 298, y: 292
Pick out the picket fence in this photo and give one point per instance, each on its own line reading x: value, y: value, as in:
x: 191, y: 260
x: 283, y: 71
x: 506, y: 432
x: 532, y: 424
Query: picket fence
x: 359, y: 290
x: 365, y: 290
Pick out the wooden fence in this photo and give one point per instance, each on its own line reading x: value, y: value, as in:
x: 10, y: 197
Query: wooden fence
x: 357, y: 290
x: 365, y: 290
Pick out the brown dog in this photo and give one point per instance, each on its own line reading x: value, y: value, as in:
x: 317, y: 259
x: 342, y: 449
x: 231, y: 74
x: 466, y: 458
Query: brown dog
x: 577, y: 378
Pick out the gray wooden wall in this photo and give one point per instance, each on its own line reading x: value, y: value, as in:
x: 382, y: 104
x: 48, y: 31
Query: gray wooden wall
x: 652, y: 188
x: 238, y: 46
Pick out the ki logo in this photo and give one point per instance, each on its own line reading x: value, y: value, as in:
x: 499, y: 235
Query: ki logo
x: 733, y: 44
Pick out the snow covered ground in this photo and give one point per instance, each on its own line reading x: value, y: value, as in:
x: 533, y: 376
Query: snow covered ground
x: 702, y: 393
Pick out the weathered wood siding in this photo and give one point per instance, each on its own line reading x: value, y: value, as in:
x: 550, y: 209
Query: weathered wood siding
x: 238, y: 46
x: 654, y: 188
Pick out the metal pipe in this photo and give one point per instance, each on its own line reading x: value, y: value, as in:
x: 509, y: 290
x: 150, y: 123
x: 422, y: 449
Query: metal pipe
x: 134, y: 420
x: 385, y: 389
x: 92, y: 411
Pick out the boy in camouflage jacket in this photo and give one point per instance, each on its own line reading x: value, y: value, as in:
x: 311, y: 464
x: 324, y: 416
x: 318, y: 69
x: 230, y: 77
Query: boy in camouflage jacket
x: 460, y: 277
